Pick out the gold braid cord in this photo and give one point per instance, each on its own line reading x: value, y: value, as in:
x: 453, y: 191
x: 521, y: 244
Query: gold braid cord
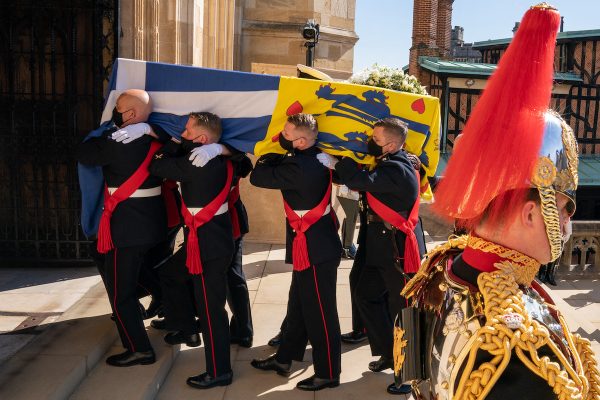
x: 509, y: 329
x: 590, y: 366
x: 436, y: 257
x: 551, y: 220
x: 526, y: 268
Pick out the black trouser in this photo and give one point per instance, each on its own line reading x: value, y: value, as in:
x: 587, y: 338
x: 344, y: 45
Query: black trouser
x: 237, y: 296
x: 350, y: 208
x: 122, y: 271
x: 210, y: 290
x: 148, y: 282
x: 355, y: 272
x: 377, y: 295
x: 156, y: 257
x: 312, y: 315
x: 178, y: 294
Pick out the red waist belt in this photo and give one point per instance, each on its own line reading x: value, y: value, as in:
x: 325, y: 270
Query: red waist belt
x: 300, y: 225
x: 412, y: 260
x: 111, y: 201
x: 193, y: 222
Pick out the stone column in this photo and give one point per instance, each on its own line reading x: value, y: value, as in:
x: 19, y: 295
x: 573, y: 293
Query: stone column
x: 218, y: 33
x: 131, y: 35
x: 168, y: 30
x: 153, y: 30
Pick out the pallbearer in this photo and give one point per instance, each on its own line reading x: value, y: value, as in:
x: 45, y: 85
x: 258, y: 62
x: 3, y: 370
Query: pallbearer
x: 390, y: 237
x: 314, y: 249
x: 238, y: 298
x: 208, y: 245
x: 133, y: 221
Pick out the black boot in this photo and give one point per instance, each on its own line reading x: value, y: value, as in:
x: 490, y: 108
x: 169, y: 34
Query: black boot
x: 271, y: 364
x: 276, y: 340
x: 159, y: 324
x: 178, y: 337
x: 154, y: 308
x: 550, y: 274
x: 354, y: 337
x: 315, y: 383
x: 382, y: 364
x: 402, y: 389
x: 205, y: 381
x: 129, y: 358
x: 541, y: 275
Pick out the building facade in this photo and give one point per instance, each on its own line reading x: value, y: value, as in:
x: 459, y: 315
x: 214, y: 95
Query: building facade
x: 575, y: 95
x: 55, y: 60
x: 461, y: 51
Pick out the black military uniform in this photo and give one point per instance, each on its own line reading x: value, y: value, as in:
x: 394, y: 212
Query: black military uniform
x: 148, y: 283
x: 375, y: 281
x: 240, y: 326
x: 178, y: 288
x: 517, y: 380
x: 199, y: 187
x: 312, y: 313
x: 137, y: 225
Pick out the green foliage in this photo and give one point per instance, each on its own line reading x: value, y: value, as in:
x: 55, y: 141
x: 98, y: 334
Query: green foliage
x: 388, y: 78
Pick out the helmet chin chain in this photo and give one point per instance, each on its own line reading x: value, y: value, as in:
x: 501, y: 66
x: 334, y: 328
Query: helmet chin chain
x: 551, y: 220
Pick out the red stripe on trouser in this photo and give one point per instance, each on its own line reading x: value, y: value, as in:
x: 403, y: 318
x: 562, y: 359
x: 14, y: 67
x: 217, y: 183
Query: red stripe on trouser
x: 324, y: 324
x: 115, y: 305
x: 212, y: 343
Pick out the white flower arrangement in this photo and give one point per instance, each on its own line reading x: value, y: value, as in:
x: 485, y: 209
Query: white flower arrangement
x: 388, y: 78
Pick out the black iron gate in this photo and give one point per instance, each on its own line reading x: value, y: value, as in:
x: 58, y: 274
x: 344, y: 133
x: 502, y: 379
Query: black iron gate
x: 55, y: 57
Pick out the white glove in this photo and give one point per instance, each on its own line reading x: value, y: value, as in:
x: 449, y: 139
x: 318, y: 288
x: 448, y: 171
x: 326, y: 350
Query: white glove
x: 327, y: 160
x: 200, y: 156
x: 131, y: 132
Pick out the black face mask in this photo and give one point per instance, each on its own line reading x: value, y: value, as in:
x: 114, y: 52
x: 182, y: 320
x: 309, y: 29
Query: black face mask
x: 117, y: 117
x: 189, y: 145
x: 374, y: 149
x: 288, y: 145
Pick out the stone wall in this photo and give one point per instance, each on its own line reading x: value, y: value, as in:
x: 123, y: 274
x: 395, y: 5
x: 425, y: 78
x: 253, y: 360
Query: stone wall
x: 228, y: 34
x: 192, y: 32
x: 270, y: 32
x: 581, y: 256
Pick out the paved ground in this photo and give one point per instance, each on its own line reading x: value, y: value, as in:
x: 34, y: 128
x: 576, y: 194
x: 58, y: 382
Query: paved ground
x: 31, y: 299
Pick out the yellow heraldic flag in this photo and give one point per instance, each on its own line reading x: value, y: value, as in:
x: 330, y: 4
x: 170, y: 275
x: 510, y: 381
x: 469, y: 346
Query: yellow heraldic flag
x: 346, y: 113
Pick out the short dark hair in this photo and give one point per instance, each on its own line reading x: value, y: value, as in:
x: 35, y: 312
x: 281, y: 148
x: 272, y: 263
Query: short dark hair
x: 504, y: 207
x: 306, y: 121
x: 394, y: 126
x: 208, y: 120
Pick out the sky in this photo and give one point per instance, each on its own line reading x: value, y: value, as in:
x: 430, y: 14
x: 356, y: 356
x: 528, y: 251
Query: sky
x: 385, y: 26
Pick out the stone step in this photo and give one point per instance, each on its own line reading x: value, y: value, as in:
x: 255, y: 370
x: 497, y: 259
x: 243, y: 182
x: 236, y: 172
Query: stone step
x: 54, y: 364
x: 577, y: 320
x: 138, y: 382
x: 190, y: 362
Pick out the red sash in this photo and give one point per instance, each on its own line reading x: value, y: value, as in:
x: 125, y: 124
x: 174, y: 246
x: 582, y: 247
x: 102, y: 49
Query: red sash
x: 300, y: 225
x: 168, y: 186
x: 193, y: 222
x: 412, y: 260
x: 105, y: 243
x: 234, y: 196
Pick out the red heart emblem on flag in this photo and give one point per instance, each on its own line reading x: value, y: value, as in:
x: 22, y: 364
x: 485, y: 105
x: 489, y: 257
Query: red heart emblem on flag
x: 418, y: 106
x: 295, y: 108
x: 275, y: 138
